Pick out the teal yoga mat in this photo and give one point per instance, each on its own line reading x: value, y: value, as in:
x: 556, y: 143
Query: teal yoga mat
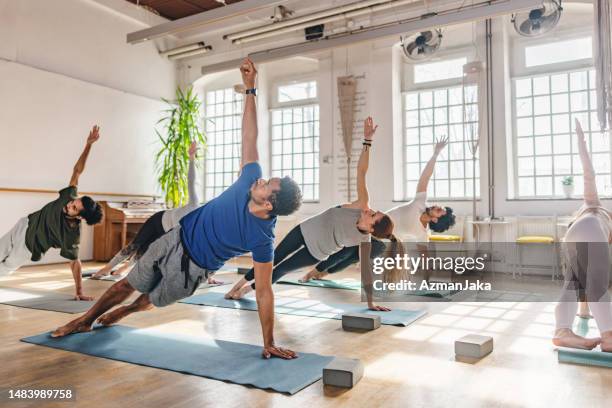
x: 585, y: 357
x: 307, y: 307
x: 347, y: 284
x: 217, y: 359
x: 352, y: 284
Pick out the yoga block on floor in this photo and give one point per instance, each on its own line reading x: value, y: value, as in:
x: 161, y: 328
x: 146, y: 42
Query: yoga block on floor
x: 360, y: 321
x: 243, y: 271
x: 343, y: 372
x: 474, y: 345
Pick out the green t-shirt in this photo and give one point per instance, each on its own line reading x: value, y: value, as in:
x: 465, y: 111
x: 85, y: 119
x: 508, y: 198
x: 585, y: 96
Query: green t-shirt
x: 50, y: 227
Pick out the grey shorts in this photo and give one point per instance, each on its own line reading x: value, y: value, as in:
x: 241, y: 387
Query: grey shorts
x: 158, y: 272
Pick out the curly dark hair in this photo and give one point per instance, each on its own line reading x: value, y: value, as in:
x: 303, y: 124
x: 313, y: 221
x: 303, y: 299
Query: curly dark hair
x: 288, y: 199
x: 91, y: 212
x: 444, y: 222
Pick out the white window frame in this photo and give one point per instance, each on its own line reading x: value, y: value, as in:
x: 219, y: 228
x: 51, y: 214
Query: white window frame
x: 521, y: 71
x: 205, y: 118
x: 275, y: 105
x: 409, y: 86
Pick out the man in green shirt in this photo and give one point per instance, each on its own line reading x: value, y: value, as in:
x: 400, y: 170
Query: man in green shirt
x: 56, y: 225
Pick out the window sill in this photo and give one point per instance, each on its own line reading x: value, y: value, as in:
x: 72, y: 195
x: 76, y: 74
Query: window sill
x: 554, y: 199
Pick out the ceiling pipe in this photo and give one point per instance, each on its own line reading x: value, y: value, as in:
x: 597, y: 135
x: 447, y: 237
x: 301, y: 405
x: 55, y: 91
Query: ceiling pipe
x: 335, y: 17
x: 478, y: 11
x: 304, y: 19
x: 183, y: 48
x: 191, y: 53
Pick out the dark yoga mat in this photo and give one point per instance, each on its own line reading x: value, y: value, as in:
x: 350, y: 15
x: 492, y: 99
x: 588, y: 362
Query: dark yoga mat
x: 52, y: 301
x: 585, y: 357
x: 220, y: 360
x: 307, y: 307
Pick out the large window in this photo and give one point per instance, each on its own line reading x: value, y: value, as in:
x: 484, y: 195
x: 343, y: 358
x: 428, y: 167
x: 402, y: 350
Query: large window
x: 295, y: 136
x: 436, y: 112
x: 223, y: 132
x: 545, y: 107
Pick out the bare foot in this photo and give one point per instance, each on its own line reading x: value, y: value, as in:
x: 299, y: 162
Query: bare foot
x: 113, y: 317
x: 76, y: 326
x: 606, y: 341
x: 567, y: 338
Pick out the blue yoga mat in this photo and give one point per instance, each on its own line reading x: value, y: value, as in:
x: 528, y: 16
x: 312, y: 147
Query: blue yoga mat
x: 306, y: 307
x: 221, y: 360
x: 585, y: 357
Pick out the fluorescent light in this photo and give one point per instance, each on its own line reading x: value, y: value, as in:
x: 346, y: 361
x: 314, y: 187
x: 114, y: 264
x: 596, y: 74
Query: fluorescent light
x: 200, y: 19
x: 191, y: 53
x: 183, y: 48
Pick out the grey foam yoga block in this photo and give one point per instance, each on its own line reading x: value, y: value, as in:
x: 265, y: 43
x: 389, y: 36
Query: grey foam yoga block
x: 474, y: 345
x: 360, y: 321
x: 343, y: 372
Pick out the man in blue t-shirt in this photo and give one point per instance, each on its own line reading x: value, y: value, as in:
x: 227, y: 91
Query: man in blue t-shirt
x: 240, y: 220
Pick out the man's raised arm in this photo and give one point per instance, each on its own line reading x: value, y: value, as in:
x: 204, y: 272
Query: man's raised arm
x: 93, y: 137
x: 249, y: 119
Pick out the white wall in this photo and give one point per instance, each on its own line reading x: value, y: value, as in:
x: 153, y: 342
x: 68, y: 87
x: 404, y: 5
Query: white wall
x: 64, y: 66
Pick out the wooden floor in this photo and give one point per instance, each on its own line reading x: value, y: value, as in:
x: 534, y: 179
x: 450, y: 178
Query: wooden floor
x: 412, y: 366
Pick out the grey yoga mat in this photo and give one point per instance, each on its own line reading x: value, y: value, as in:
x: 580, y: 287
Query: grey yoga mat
x: 307, y: 307
x: 585, y: 357
x: 52, y: 301
x: 221, y: 360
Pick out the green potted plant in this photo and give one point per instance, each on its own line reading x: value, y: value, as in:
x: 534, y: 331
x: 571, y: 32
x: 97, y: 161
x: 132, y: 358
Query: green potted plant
x: 181, y: 126
x: 568, y: 186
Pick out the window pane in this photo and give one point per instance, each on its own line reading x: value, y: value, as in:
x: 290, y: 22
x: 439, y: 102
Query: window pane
x: 555, y: 52
x: 440, y: 107
x: 546, y: 145
x: 436, y: 71
x: 294, y: 155
x: 222, y: 122
x: 297, y: 91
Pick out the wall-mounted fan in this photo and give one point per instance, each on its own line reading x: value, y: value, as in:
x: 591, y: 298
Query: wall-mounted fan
x: 422, y: 45
x: 539, y: 20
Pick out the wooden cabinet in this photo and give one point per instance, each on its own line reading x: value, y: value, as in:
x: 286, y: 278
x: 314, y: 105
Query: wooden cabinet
x: 122, y: 221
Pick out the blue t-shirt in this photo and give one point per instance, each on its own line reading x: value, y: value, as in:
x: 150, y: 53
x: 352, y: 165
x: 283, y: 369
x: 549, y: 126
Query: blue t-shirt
x: 224, y: 228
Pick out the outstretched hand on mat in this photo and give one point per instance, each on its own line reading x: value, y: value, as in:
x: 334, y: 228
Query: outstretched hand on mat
x: 274, y: 351
x: 83, y: 297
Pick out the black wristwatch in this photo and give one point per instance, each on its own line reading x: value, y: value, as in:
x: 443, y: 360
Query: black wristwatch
x: 251, y: 91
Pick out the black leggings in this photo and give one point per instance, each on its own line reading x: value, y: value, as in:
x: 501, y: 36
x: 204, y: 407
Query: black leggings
x: 294, y: 244
x: 150, y: 231
x: 348, y: 256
